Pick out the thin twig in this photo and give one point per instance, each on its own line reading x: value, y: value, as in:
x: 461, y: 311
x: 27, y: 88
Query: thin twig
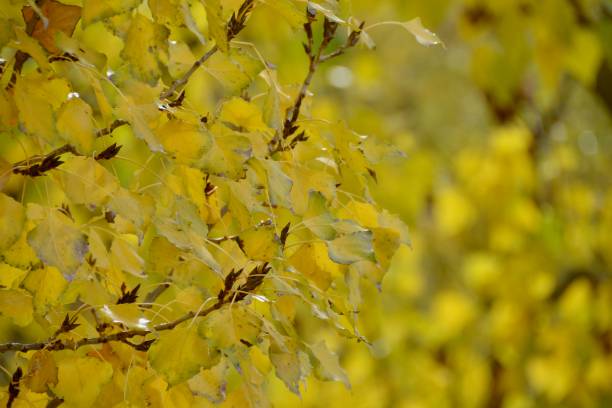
x: 314, y: 58
x: 235, y: 24
x: 155, y: 293
x: 176, y: 85
x: 226, y: 296
x: 118, y: 336
x: 107, y: 131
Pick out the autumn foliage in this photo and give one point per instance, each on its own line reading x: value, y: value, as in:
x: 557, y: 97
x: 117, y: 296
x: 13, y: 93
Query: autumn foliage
x: 170, y: 212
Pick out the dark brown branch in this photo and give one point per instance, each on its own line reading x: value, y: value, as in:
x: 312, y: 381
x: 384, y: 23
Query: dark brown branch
x: 314, y: 59
x: 118, y: 336
x: 37, y: 165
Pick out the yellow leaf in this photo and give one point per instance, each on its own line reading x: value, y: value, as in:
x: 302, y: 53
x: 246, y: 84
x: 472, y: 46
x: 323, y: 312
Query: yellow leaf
x: 180, y: 59
x: 58, y: 242
x: 8, y: 113
x: 243, y: 114
x: 16, y: 304
x: 211, y: 383
x: 42, y: 371
x: 185, y: 141
x: 228, y: 326
x: 312, y: 261
x: 260, y: 244
x: 167, y: 12
x: 75, y: 124
x: 287, y: 364
x: 36, y: 97
x: 46, y: 285
x: 94, y: 10
x: 85, y: 181
x: 10, y: 276
x: 386, y: 242
x: 12, y: 218
x: 234, y: 70
x: 278, y: 183
x: 180, y: 353
x: 290, y: 10
x: 124, y: 256
x: 145, y: 42
x: 127, y: 314
x: 80, y: 380
x: 216, y: 24
x: 31, y: 47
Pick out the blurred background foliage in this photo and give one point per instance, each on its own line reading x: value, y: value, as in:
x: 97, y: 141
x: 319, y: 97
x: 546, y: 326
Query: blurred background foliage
x: 505, y: 298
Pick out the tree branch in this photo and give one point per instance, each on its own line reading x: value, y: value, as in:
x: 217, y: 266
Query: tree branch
x: 177, y: 84
x: 235, y: 24
x: 315, y: 58
x: 226, y: 296
x: 118, y: 336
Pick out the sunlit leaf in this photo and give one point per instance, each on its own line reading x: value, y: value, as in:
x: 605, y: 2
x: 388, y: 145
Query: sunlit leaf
x: 85, y: 374
x: 422, y: 34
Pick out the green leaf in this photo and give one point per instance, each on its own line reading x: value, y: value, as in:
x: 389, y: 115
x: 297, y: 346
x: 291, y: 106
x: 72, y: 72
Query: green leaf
x: 278, y: 183
x: 328, y: 367
x: 351, y: 248
x: 422, y: 34
x: 288, y: 364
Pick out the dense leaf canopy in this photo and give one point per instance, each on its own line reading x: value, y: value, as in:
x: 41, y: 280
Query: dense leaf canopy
x: 170, y: 211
